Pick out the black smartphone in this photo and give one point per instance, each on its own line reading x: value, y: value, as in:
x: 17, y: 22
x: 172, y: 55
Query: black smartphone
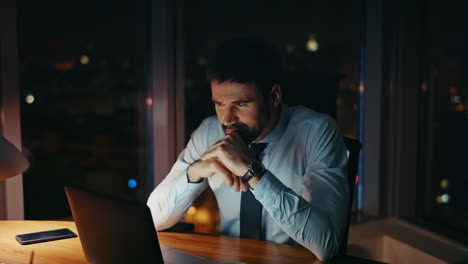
x: 31, y: 238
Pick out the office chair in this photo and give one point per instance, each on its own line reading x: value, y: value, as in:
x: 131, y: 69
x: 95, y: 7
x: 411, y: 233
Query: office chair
x: 353, y: 147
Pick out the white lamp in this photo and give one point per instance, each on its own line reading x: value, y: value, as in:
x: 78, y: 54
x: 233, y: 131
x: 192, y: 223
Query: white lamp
x: 12, y: 161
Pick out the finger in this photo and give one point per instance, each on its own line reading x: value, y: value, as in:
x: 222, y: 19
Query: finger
x: 217, y: 143
x: 237, y: 183
x: 244, y: 186
x: 218, y: 168
x: 214, y: 152
x: 209, y: 154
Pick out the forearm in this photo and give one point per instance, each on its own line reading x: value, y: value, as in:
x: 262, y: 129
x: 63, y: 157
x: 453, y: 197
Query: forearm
x: 172, y: 197
x: 317, y: 228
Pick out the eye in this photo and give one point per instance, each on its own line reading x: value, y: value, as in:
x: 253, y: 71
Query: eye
x: 241, y: 104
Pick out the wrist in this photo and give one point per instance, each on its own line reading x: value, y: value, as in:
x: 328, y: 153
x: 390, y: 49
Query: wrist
x: 254, y: 181
x: 191, y: 178
x: 255, y: 170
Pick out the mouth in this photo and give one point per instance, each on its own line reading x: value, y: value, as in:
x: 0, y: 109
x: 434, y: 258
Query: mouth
x: 229, y: 131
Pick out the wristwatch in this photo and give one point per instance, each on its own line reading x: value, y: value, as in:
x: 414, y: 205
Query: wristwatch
x: 256, y: 169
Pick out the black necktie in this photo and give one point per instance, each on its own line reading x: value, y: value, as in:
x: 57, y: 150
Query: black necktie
x: 251, y: 209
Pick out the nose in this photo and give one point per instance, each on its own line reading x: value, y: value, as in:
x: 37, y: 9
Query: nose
x: 229, y: 116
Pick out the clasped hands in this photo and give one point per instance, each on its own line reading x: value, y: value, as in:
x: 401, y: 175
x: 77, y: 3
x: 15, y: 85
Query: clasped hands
x: 229, y: 157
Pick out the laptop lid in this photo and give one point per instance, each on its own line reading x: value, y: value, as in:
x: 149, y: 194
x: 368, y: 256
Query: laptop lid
x: 114, y: 231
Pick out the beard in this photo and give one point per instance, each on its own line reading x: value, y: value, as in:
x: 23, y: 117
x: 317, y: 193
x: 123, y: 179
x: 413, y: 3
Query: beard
x: 248, y: 134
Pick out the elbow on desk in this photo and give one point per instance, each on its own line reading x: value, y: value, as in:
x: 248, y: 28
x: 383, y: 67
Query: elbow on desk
x: 326, y: 246
x: 161, y: 219
x: 161, y: 223
x: 326, y: 253
x: 328, y: 250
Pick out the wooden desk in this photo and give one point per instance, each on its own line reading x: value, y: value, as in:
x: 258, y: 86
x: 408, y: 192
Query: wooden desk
x: 220, y: 248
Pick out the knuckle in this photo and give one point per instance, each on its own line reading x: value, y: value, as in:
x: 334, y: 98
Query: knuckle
x: 229, y: 182
x: 223, y: 147
x: 212, y: 164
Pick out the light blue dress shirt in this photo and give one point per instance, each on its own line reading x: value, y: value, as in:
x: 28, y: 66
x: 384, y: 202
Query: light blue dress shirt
x: 304, y: 192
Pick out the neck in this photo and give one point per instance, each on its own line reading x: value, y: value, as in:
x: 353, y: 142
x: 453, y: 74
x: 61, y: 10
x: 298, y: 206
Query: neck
x: 275, y: 115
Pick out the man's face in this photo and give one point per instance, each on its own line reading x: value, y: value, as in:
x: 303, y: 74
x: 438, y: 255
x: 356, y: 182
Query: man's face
x: 240, y: 108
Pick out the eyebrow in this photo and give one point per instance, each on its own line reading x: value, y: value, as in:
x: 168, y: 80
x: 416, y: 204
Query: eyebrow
x: 241, y: 101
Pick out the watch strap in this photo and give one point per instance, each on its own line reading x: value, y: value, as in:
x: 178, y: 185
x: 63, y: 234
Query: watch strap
x: 251, y: 172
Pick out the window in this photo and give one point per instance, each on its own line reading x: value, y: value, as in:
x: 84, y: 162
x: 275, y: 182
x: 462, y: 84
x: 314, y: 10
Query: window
x: 444, y: 120
x: 82, y: 100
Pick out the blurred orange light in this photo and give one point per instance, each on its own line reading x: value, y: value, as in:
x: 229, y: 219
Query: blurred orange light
x: 460, y: 107
x: 202, y: 216
x: 452, y: 90
x: 64, y: 65
x: 149, y: 101
x: 424, y: 87
x: 361, y: 87
x: 192, y: 210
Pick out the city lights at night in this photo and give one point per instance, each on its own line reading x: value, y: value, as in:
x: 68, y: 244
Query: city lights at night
x: 29, y: 99
x: 312, y: 44
x: 84, y: 59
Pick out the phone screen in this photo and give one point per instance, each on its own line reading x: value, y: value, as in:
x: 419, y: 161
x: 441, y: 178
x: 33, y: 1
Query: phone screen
x: 45, y: 236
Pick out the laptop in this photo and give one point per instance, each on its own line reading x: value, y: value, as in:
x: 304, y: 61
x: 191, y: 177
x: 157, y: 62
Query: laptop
x: 116, y: 231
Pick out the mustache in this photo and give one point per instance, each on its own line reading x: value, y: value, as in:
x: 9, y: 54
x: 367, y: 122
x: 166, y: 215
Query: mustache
x: 233, y: 126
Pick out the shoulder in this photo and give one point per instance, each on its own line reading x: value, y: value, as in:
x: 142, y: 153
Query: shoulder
x: 208, y: 132
x: 320, y: 135
x: 210, y: 123
x: 303, y: 118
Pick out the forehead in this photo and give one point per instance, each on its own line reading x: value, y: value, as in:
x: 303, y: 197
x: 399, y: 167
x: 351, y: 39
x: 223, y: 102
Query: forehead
x: 234, y: 91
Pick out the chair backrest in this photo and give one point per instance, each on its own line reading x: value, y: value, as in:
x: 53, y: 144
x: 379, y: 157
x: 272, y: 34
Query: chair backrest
x: 353, y: 147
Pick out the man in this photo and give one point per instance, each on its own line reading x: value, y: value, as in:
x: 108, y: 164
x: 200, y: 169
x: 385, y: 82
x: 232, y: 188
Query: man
x: 295, y: 191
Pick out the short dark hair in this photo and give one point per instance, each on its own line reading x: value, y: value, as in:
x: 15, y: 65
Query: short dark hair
x: 246, y: 60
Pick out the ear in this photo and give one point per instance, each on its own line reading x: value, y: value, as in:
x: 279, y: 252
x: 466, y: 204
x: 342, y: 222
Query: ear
x: 275, y: 95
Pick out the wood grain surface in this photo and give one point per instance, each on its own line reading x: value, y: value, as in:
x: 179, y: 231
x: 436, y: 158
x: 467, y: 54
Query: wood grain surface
x: 220, y: 248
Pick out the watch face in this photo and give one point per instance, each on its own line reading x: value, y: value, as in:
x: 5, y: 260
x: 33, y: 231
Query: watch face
x: 257, y: 167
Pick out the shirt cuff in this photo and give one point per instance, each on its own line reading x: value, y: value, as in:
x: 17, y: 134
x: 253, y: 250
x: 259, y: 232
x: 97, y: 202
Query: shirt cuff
x: 268, y: 189
x: 188, y: 180
x: 188, y: 186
